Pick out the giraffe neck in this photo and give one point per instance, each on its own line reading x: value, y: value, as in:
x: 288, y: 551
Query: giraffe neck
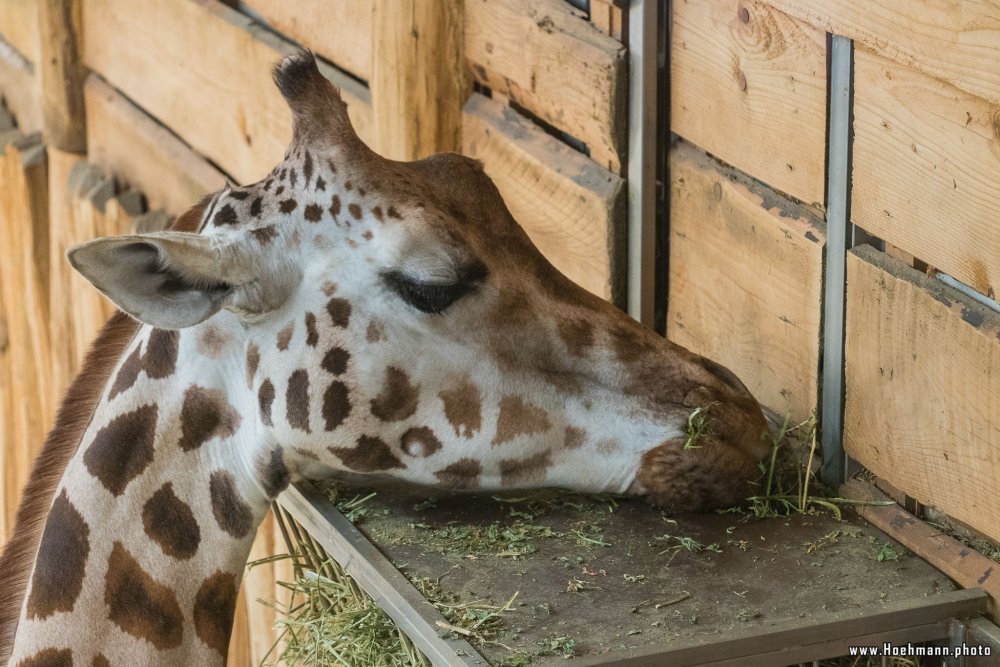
x: 150, y: 526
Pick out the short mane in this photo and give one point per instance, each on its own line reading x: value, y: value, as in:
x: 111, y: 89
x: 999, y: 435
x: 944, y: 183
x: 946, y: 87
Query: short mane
x: 74, y: 416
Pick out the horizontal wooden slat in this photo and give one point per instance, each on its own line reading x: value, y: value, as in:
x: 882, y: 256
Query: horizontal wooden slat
x: 926, y: 156
x: 339, y: 30
x: 955, y: 41
x: 571, y: 208
x: 19, y: 88
x: 135, y: 149
x: 753, y: 92
x: 203, y: 70
x: 745, y: 280
x: 555, y: 64
x: 19, y: 26
x: 923, y: 388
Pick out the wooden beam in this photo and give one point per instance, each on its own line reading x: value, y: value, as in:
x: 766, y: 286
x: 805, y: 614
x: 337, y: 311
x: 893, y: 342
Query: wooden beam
x: 968, y: 567
x: 925, y: 164
x: 572, y: 209
x: 61, y: 75
x: 135, y: 149
x: 339, y: 30
x: 202, y: 69
x: 24, y: 269
x: 609, y: 17
x: 418, y: 78
x: 955, y: 41
x: 555, y: 64
x: 746, y: 267
x: 923, y: 381
x: 19, y: 88
x: 748, y: 85
x: 19, y: 26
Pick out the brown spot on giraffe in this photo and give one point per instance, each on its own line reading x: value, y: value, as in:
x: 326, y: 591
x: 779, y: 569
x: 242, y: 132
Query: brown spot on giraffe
x: 61, y: 561
x: 328, y: 288
x: 285, y: 336
x: 336, y: 404
x: 307, y: 168
x: 335, y: 360
x: 230, y: 510
x: 531, y: 470
x: 158, y: 361
x: 140, y: 605
x: 375, y: 331
x: 462, y: 474
x: 354, y: 210
x: 287, y: 205
x: 122, y: 449
x: 463, y: 406
x: 578, y: 334
x: 226, y: 215
x: 214, y: 608
x: 253, y: 362
x: 170, y: 523
x: 377, y: 212
x: 297, y: 400
x: 273, y: 473
x: 320, y: 184
x: 335, y: 206
x: 265, y: 399
x: 574, y: 437
x: 128, y: 373
x: 312, y: 334
x: 519, y: 418
x: 369, y: 455
x: 255, y: 207
x: 340, y: 312
x: 419, y: 441
x: 368, y: 236
x: 313, y: 212
x: 100, y: 661
x: 399, y: 397
x: 264, y: 235
x: 212, y: 341
x: 49, y: 657
x: 205, y: 414
x: 393, y: 213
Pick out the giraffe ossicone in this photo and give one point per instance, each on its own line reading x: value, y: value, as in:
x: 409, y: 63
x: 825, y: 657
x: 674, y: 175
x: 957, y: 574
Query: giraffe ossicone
x: 346, y: 313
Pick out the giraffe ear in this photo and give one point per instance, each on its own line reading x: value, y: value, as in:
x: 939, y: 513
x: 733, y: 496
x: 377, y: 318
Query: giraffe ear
x: 170, y: 280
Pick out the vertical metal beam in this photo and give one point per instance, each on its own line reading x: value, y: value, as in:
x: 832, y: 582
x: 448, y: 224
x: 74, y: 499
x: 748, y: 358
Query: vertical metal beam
x: 839, y: 238
x: 642, y: 30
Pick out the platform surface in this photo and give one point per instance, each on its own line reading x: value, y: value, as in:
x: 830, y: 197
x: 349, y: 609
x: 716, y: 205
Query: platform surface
x: 595, y: 575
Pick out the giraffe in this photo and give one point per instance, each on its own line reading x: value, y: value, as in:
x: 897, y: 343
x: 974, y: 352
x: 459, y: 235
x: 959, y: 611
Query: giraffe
x: 346, y: 314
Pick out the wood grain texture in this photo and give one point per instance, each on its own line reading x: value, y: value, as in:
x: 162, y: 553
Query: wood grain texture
x: 746, y: 269
x: 339, y: 30
x: 138, y: 151
x: 19, y: 26
x: 923, y: 388
x: 926, y: 156
x: 418, y: 78
x: 609, y: 17
x: 204, y: 70
x: 61, y: 74
x: 752, y: 93
x: 19, y: 89
x: 557, y: 65
x: 572, y: 209
x: 24, y: 269
x: 951, y: 40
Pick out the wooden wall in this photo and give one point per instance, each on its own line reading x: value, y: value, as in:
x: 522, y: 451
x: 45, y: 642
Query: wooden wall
x: 178, y: 98
x: 748, y: 107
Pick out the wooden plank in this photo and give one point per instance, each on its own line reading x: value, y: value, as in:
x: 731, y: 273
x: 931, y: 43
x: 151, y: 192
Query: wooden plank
x: 339, y: 30
x: 609, y: 17
x: 966, y: 566
x: 390, y: 588
x: 19, y: 26
x: 138, y: 151
x: 19, y: 89
x: 782, y: 643
x: 572, y: 209
x: 259, y: 588
x: 555, y: 64
x: 955, y: 41
x: 923, y: 388
x: 926, y: 157
x: 203, y: 70
x: 24, y: 269
x: 61, y: 74
x: 746, y: 270
x: 418, y: 77
x: 748, y: 85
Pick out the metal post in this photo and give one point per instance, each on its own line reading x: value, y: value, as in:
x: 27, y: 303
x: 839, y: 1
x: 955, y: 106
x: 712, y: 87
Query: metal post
x: 642, y: 32
x: 838, y: 240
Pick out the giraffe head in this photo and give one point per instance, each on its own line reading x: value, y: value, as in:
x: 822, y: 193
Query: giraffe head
x: 393, y: 318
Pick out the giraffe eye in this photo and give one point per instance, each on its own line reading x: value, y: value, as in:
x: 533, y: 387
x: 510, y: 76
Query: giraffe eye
x: 430, y: 297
